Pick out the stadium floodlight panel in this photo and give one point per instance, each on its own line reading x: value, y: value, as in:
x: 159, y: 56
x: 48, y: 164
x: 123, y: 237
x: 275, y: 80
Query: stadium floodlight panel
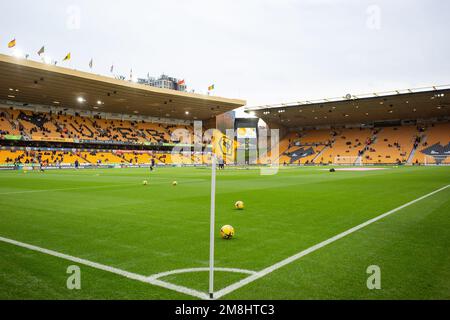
x: 18, y: 53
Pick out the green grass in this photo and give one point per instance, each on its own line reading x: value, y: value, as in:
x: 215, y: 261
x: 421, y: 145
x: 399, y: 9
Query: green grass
x: 109, y: 217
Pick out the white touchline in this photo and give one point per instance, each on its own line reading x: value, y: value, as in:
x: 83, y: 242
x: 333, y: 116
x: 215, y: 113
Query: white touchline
x: 322, y: 244
x: 61, y: 189
x: 128, y: 184
x: 204, y: 269
x: 123, y: 273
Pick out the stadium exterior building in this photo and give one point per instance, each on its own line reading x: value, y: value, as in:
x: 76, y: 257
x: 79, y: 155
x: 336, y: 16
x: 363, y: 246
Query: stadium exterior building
x: 164, y: 82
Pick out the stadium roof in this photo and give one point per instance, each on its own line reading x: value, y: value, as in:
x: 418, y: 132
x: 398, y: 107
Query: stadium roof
x: 410, y: 104
x: 31, y: 82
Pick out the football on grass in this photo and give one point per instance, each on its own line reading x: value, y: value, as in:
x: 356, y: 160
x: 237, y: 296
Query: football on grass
x: 239, y: 205
x: 227, y: 232
x: 145, y: 182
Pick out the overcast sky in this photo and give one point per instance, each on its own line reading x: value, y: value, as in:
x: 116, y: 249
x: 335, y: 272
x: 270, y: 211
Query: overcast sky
x: 263, y: 51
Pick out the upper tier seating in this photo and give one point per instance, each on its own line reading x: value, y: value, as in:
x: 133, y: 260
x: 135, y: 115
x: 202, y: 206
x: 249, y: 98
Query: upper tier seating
x: 7, y: 124
x: 57, y: 127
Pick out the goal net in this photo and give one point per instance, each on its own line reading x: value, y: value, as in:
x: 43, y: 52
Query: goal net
x: 347, y: 160
x: 436, y: 160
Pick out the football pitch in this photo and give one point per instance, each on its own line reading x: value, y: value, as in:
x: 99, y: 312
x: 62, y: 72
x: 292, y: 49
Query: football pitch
x: 135, y: 241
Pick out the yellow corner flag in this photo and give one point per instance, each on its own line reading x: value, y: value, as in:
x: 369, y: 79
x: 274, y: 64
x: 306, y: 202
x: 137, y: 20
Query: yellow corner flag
x: 223, y: 147
x: 12, y: 43
x: 67, y: 57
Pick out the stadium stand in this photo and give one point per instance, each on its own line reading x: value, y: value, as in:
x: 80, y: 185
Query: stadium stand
x: 7, y: 124
x: 392, y: 145
x: 347, y: 143
x: 435, y: 140
x: 102, y: 157
x: 62, y: 116
x: 386, y: 145
x: 61, y: 127
x: 304, y: 147
x: 322, y: 146
x: 96, y: 139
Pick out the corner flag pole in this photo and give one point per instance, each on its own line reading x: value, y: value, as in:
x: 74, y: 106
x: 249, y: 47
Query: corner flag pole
x: 212, y: 227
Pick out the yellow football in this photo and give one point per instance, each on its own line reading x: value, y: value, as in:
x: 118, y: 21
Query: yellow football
x: 239, y: 205
x: 227, y: 232
x: 174, y: 183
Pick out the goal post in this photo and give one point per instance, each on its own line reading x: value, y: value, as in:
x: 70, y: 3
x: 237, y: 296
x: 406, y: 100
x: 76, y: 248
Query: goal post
x: 348, y: 160
x: 436, y: 160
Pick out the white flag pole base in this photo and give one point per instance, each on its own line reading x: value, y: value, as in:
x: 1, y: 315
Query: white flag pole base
x: 212, y: 227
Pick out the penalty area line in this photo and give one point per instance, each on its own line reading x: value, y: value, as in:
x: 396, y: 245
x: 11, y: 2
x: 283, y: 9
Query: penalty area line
x: 276, y: 266
x: 117, y: 271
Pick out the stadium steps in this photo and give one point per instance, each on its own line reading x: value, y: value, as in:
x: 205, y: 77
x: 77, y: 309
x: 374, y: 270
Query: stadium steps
x: 26, y: 128
x: 91, y: 124
x: 12, y: 123
x: 17, y: 124
x: 374, y: 138
x: 121, y: 156
x: 319, y: 154
x: 55, y: 124
x: 414, y: 150
x: 411, y: 156
x: 8, y: 116
x: 80, y: 155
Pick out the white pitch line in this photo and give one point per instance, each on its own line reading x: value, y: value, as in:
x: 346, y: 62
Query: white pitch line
x: 266, y: 271
x: 99, y: 266
x: 204, y: 269
x: 62, y: 189
x: 128, y: 184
